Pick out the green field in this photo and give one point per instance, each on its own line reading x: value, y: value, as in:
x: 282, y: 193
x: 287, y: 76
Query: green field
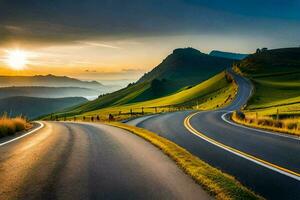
x: 213, y: 93
x: 276, y: 77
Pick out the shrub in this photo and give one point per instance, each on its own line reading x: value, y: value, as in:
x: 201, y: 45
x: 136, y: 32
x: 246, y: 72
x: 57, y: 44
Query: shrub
x: 278, y: 124
x: 20, y: 123
x: 240, y: 115
x: 9, y: 126
x: 291, y: 125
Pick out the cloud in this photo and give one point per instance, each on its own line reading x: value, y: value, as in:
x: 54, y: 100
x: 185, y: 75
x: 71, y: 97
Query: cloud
x: 95, y: 44
x: 57, y: 21
x: 130, y: 70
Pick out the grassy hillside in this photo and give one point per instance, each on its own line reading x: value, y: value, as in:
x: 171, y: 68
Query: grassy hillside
x: 276, y: 76
x: 32, y: 107
x: 187, y: 66
x: 182, y: 69
x: 210, y: 94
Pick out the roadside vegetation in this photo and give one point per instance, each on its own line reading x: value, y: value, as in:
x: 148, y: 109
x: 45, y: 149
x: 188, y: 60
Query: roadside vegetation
x: 288, y: 125
x: 218, y: 184
x: 275, y: 104
x: 10, y: 126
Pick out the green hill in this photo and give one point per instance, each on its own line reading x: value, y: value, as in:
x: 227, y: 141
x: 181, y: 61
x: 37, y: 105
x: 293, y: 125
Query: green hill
x: 270, y: 62
x: 182, y: 69
x: 212, y: 93
x: 187, y: 66
x: 33, y: 107
x: 276, y: 76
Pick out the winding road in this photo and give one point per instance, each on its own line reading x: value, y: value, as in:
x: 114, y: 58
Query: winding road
x: 266, y: 162
x: 95, y: 161
x: 89, y: 161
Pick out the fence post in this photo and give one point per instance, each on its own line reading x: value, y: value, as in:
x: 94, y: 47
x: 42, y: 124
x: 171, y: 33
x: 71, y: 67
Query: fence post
x: 155, y: 109
x: 277, y: 114
x: 131, y: 112
x: 142, y: 110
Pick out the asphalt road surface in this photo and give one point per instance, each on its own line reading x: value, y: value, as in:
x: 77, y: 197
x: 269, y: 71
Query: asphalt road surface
x: 89, y: 161
x: 268, y: 163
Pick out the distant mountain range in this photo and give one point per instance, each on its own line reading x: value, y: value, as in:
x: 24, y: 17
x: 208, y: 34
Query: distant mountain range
x: 230, y: 55
x: 32, y: 107
x: 48, y: 92
x: 48, y: 80
x: 34, y: 96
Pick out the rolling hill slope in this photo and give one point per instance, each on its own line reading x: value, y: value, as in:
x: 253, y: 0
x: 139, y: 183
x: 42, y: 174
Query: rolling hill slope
x: 182, y: 69
x: 276, y: 76
x: 210, y: 94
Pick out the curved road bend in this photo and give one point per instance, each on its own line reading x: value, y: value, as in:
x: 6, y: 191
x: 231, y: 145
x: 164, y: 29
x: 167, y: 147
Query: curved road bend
x: 90, y: 161
x: 275, y: 150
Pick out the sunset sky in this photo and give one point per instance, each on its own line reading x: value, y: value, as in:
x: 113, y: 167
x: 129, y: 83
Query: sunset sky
x: 108, y: 40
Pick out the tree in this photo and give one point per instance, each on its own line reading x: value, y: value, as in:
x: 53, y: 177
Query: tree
x: 157, y: 86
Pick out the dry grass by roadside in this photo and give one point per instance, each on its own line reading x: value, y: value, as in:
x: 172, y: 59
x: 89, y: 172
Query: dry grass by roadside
x: 218, y: 184
x: 289, y: 126
x: 9, y: 126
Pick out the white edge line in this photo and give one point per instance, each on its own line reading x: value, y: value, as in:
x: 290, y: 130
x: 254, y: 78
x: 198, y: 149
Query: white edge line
x: 24, y: 135
x: 248, y: 158
x: 259, y: 130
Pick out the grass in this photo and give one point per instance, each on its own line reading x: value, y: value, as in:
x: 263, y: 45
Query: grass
x: 275, y: 90
x: 252, y: 119
x: 218, y: 184
x: 9, y: 126
x: 276, y: 78
x: 216, y: 92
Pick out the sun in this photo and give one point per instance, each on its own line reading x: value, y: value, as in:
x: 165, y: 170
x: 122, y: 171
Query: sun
x: 16, y: 59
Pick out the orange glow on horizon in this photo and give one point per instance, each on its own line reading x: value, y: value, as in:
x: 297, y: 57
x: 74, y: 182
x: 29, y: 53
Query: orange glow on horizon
x: 16, y: 59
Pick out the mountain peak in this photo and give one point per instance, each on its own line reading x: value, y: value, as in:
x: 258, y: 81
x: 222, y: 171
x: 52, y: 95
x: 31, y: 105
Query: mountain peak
x: 187, y: 66
x: 186, y: 50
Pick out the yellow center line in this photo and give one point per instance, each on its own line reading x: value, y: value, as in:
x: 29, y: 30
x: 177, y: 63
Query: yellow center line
x: 267, y: 164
